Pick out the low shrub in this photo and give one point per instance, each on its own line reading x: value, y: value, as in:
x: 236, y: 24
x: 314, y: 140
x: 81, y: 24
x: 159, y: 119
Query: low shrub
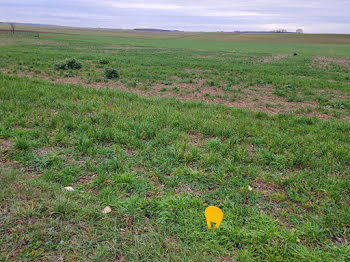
x: 73, y: 64
x: 111, y: 73
x: 70, y: 63
x: 60, y: 66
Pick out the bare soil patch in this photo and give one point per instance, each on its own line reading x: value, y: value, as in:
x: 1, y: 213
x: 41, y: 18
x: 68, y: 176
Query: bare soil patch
x: 259, y: 98
x: 72, y: 80
x: 322, y: 61
x: 274, y: 58
x: 182, y: 188
x: 266, y: 59
x: 265, y: 188
x: 5, y: 145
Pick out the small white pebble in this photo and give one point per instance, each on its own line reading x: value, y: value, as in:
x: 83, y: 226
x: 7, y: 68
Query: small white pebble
x: 106, y: 210
x: 69, y: 188
x: 250, y: 188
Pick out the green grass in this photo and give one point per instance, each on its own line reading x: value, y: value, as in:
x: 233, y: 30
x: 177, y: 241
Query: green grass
x: 212, y: 45
x: 147, y: 68
x: 159, y: 162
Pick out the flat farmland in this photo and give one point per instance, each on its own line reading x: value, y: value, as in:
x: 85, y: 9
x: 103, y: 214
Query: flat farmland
x: 160, y: 125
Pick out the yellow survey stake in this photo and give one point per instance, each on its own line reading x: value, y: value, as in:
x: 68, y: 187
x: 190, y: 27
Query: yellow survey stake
x: 213, y: 214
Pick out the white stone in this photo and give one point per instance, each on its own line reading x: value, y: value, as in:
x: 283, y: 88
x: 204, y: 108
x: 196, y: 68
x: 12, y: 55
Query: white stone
x: 106, y: 210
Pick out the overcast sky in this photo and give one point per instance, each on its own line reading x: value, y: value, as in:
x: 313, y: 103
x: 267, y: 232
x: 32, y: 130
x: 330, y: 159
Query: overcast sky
x: 322, y: 16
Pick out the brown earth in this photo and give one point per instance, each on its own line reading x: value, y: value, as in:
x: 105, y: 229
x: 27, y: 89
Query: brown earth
x: 322, y: 61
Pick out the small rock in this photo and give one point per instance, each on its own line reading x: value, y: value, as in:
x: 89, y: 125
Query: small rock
x: 69, y: 188
x: 298, y: 240
x: 106, y: 210
x: 250, y: 188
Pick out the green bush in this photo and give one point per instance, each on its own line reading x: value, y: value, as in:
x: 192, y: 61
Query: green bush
x: 111, y: 73
x: 60, y: 66
x: 70, y: 63
x: 73, y: 64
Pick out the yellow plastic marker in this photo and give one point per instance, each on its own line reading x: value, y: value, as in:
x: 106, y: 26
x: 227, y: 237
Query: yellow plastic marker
x: 213, y: 214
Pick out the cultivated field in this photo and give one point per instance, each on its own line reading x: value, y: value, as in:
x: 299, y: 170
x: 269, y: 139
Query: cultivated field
x: 157, y: 126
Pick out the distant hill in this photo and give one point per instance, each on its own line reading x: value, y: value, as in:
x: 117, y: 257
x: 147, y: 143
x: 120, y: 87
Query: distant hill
x: 261, y: 32
x: 155, y: 29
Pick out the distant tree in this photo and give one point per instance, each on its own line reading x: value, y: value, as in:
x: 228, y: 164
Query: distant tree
x: 300, y: 31
x: 13, y: 27
x: 281, y: 30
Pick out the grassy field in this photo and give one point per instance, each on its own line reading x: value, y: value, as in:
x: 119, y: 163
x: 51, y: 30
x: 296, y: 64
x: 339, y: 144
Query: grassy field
x: 260, y: 129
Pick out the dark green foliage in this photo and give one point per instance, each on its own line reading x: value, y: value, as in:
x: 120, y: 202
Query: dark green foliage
x: 73, y: 64
x: 68, y: 64
x: 111, y: 73
x: 60, y: 66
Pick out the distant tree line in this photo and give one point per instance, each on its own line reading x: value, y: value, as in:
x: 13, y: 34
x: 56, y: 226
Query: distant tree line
x: 281, y: 30
x: 298, y: 31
